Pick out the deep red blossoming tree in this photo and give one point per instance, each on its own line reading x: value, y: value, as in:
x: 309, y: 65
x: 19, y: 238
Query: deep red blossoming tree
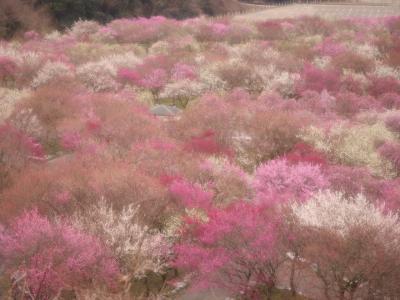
x: 302, y: 152
x: 313, y: 78
x: 234, y: 248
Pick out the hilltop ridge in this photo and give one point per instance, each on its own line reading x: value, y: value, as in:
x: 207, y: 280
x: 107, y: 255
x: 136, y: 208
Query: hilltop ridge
x: 17, y: 16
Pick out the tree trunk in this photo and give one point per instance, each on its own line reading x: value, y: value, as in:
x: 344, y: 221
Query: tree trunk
x: 342, y: 294
x: 292, y: 276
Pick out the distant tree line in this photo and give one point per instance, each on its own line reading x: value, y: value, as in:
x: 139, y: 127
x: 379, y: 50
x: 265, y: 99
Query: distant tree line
x: 16, y: 16
x: 21, y: 15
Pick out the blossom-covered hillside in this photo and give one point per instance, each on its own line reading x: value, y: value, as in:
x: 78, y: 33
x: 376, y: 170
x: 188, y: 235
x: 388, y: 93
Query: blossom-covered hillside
x: 155, y: 159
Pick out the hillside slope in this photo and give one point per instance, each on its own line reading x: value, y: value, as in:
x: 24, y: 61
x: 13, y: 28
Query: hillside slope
x: 23, y: 15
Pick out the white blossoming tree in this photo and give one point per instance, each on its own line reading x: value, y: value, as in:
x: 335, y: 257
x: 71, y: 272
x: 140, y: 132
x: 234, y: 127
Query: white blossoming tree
x: 139, y: 249
x: 183, y: 91
x: 351, y: 246
x: 51, y: 71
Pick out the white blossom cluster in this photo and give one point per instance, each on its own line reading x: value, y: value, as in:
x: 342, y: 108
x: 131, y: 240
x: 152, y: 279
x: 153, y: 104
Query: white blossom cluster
x: 160, y: 47
x: 274, y: 80
x: 366, y: 50
x: 267, y: 73
x: 322, y: 62
x: 83, y: 28
x: 245, y: 52
x: 27, y: 121
x: 334, y: 212
x: 385, y: 71
x: 354, y: 145
x: 286, y: 81
x: 127, y: 59
x: 30, y: 62
x: 271, y: 54
x: 200, y: 59
x: 314, y: 39
x: 138, y: 248
x: 239, y: 51
x: 51, y: 71
x: 8, y: 99
x: 283, y: 82
x: 98, y: 76
x: 10, y: 50
x: 16, y: 55
x: 211, y: 81
x: 55, y: 35
x: 250, y: 79
x: 182, y: 90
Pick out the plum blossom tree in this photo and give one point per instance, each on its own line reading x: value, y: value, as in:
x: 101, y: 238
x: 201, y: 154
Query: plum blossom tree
x: 208, y: 122
x: 137, y: 247
x: 141, y: 30
x: 71, y: 140
x: 140, y: 250
x: 191, y: 195
x: 235, y: 247
x: 348, y: 103
x: 182, y: 92
x: 9, y: 100
x: 302, y: 152
x: 382, y: 85
x: 206, y: 143
x: 270, y: 30
x: 51, y: 72
x: 277, y: 179
x: 98, y: 76
x: 154, y: 81
x: 393, y: 123
x: 328, y: 47
x: 120, y: 123
x: 391, y: 152
x: 128, y: 75
x: 44, y: 257
x: 16, y: 150
x: 183, y: 71
x: 228, y: 181
x: 351, y: 245
x: 211, y: 31
x: 232, y: 248
x: 390, y: 100
x: 352, y: 181
x: 262, y: 141
x: 313, y: 78
x: 353, y: 145
x: 8, y: 69
x: 351, y: 60
x: 15, y: 143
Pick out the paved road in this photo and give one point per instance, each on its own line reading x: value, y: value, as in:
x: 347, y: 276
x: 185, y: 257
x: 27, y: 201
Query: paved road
x: 332, y: 11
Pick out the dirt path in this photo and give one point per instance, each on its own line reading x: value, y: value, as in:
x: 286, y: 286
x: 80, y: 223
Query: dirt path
x: 332, y: 11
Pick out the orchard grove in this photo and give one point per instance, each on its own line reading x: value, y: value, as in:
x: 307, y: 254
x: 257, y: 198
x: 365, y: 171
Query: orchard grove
x: 280, y: 170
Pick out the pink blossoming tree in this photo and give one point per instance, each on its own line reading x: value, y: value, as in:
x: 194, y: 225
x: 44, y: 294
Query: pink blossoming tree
x: 45, y: 257
x: 279, y: 180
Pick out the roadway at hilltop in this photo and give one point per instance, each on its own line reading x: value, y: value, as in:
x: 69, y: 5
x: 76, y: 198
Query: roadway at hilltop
x: 333, y: 11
